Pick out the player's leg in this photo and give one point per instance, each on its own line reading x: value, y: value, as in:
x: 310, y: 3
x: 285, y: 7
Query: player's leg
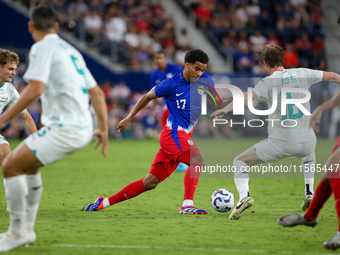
x: 193, y: 158
x: 241, y: 177
x: 322, y: 192
x: 159, y: 172
x: 334, y: 179
x: 44, y: 147
x: 329, y: 183
x: 22, y: 160
x: 34, y: 183
x: 308, y: 163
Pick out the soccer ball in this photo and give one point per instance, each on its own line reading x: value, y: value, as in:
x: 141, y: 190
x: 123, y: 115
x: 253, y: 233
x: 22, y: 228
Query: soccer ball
x: 222, y: 200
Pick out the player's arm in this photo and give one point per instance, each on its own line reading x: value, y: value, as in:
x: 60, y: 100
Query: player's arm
x: 99, y: 105
x: 142, y: 102
x: 32, y: 91
x: 317, y: 114
x: 219, y: 113
x: 329, y: 104
x: 331, y: 77
x: 29, y: 122
x: 154, y: 103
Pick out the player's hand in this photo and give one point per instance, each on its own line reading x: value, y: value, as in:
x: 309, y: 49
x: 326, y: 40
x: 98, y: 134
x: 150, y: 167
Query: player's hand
x: 219, y: 113
x: 122, y: 124
x: 315, y: 119
x: 103, y: 138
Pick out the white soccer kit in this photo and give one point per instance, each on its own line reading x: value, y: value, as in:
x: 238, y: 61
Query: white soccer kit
x: 281, y: 139
x: 65, y: 102
x: 8, y: 96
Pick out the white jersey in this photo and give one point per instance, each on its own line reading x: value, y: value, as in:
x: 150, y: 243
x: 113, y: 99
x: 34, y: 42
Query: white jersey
x: 288, y: 78
x: 8, y: 96
x: 65, y: 101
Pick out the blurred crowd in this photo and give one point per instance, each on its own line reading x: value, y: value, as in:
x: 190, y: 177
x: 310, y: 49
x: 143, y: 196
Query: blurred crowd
x: 243, y: 27
x: 130, y: 31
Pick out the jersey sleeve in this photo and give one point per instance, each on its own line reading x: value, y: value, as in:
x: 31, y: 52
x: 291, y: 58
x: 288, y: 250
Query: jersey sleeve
x: 313, y: 76
x: 263, y: 89
x: 164, y: 89
x: 39, y: 66
x: 15, y: 97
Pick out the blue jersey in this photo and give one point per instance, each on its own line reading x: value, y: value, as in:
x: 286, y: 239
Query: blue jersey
x: 157, y: 76
x: 184, y: 100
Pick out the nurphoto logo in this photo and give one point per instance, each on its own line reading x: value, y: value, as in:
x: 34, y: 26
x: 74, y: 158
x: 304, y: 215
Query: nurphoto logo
x: 291, y: 108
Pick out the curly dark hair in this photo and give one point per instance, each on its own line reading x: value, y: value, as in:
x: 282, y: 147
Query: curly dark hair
x: 273, y: 55
x: 7, y: 56
x: 196, y: 55
x: 43, y: 18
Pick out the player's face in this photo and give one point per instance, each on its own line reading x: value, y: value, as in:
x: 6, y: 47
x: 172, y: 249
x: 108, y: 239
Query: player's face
x: 195, y: 71
x: 160, y: 61
x: 7, y: 72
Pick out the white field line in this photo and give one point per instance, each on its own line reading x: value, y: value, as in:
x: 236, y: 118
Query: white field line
x: 183, y: 248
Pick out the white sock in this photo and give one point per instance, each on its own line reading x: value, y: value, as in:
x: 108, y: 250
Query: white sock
x: 309, y: 185
x: 308, y: 172
x: 35, y: 190
x: 241, y: 178
x: 106, y: 203
x: 187, y: 202
x: 16, y: 193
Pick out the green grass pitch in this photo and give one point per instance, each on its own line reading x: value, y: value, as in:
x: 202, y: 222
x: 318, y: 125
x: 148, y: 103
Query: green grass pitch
x: 150, y: 223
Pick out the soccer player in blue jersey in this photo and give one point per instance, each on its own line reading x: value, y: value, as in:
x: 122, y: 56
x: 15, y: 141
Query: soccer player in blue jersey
x: 184, y: 103
x: 164, y: 70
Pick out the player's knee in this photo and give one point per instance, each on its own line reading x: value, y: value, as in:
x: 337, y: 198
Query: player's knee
x: 197, y: 160
x: 150, y: 182
x: 8, y: 169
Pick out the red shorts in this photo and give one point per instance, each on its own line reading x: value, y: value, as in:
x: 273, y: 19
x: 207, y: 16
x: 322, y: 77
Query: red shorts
x: 176, y: 147
x: 336, y: 145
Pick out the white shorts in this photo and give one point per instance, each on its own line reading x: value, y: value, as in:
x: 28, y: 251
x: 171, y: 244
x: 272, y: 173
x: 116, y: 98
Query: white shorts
x: 270, y: 152
x: 3, y: 140
x: 52, y: 143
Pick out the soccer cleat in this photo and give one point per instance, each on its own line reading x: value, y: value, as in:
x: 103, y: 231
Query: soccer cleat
x: 242, y: 205
x: 10, y: 241
x: 296, y: 219
x: 334, y: 242
x: 306, y: 202
x: 30, y: 234
x: 98, y: 204
x: 191, y: 210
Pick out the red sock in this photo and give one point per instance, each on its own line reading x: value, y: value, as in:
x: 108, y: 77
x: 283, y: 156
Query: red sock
x: 191, y: 178
x: 322, y: 193
x: 129, y: 191
x: 335, y: 183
